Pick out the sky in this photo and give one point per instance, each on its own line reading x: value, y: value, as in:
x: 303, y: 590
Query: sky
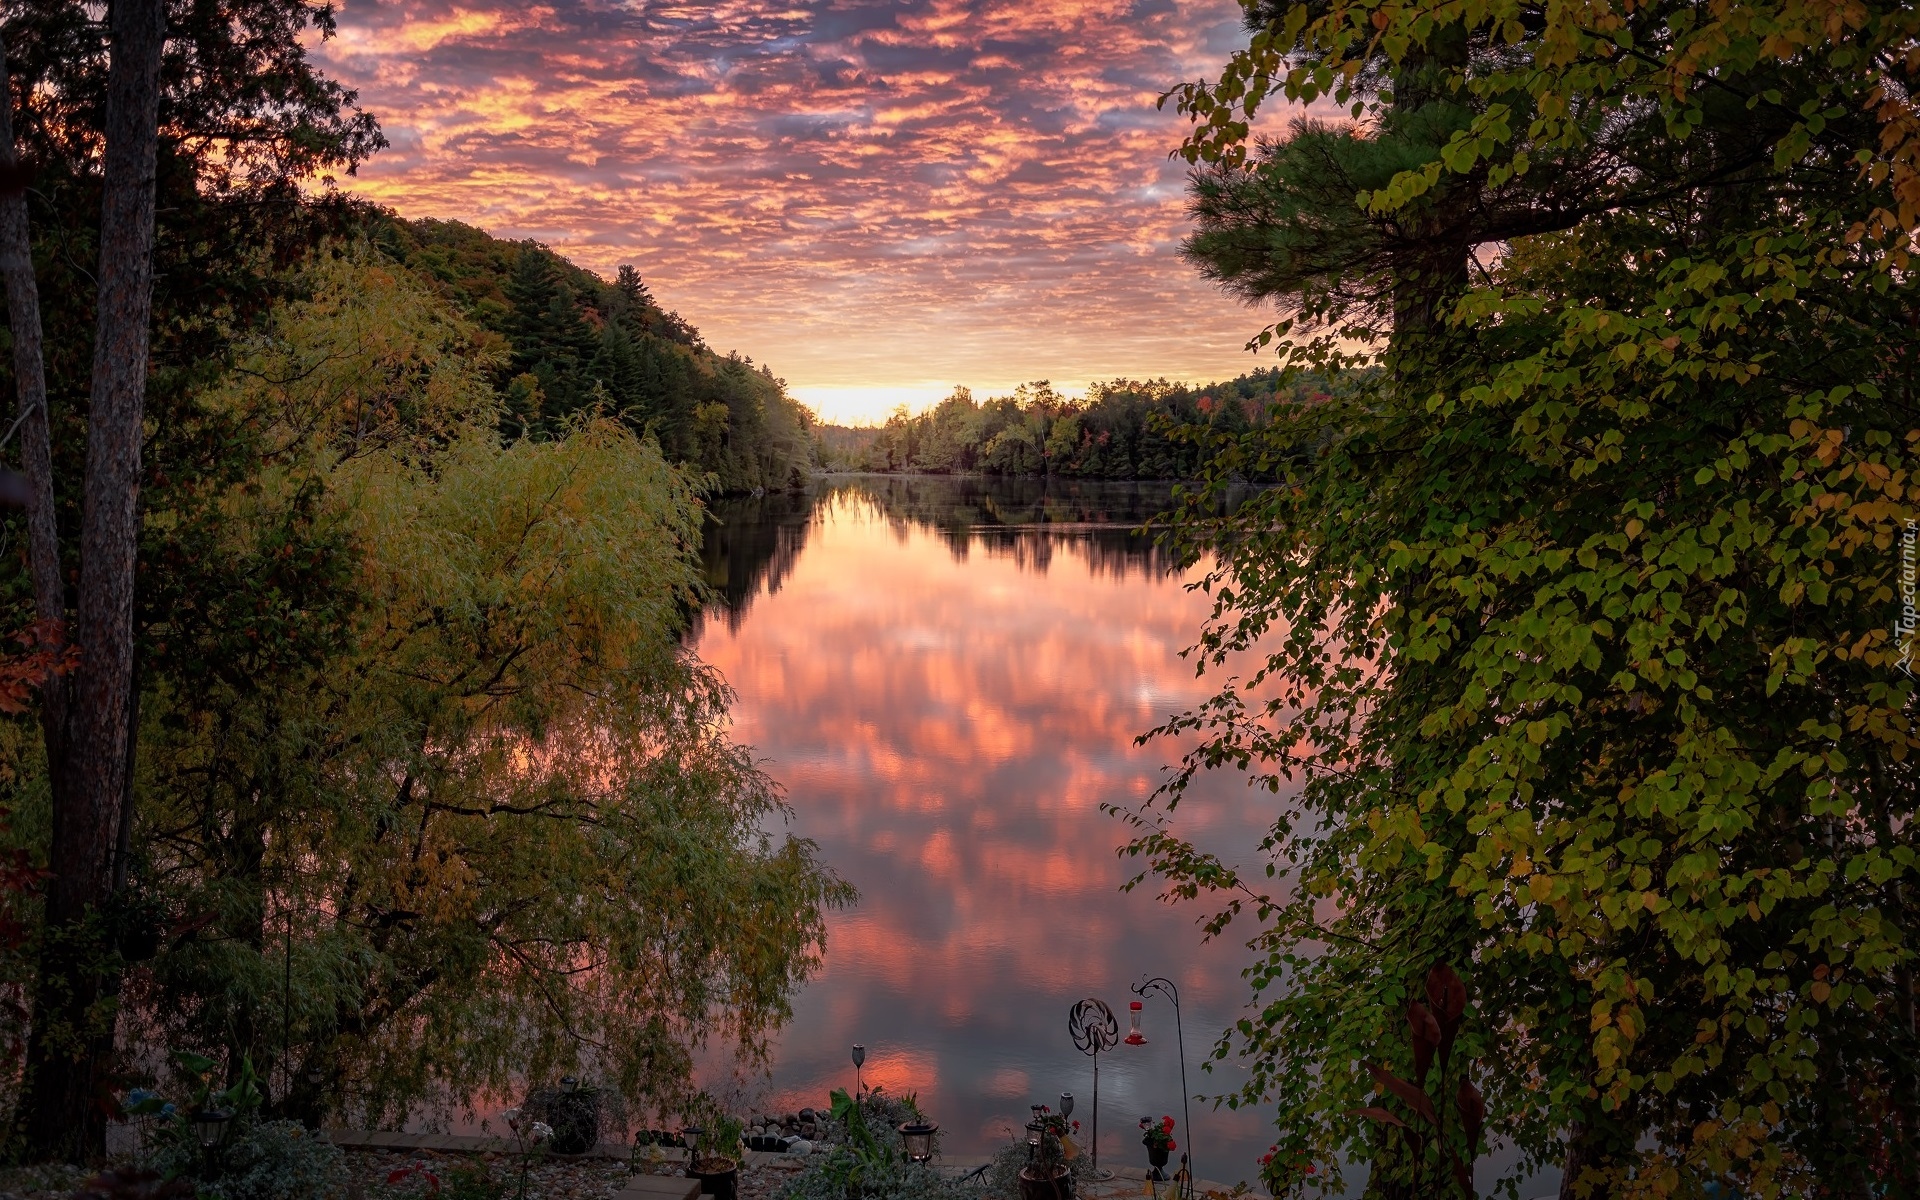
x: 880, y: 199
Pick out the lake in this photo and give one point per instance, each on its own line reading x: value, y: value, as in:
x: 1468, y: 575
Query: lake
x: 947, y: 677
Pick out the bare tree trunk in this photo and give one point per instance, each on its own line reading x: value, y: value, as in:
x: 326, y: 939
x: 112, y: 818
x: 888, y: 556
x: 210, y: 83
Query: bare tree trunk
x: 70, y: 1053
x: 30, y: 382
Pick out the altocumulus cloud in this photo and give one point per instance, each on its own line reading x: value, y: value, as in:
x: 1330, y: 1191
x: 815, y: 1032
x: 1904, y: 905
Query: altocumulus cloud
x: 860, y: 192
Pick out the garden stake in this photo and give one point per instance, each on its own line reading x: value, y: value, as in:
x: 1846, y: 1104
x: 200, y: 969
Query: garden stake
x: 1094, y: 1028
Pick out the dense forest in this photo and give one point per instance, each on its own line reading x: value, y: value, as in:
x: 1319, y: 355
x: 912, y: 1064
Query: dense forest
x: 1123, y: 429
x: 565, y: 342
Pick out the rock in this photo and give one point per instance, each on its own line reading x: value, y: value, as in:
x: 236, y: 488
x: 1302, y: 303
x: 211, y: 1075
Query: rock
x: 807, y: 1114
x: 799, y: 1146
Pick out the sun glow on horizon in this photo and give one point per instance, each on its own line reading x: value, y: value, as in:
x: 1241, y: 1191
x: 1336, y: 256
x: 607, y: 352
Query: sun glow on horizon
x: 871, y: 404
x: 867, y: 404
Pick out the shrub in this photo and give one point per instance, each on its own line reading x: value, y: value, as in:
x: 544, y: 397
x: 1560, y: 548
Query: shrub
x: 269, y: 1160
x: 1002, y: 1176
x: 840, y: 1174
x: 863, y: 1159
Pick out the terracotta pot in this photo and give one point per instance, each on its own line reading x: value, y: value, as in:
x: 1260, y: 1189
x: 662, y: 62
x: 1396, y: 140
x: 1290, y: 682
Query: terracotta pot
x: 719, y: 1177
x: 1033, y: 1186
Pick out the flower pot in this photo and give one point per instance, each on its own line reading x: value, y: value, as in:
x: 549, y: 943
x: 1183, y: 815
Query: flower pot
x: 719, y: 1177
x: 1037, y: 1186
x: 1157, y: 1156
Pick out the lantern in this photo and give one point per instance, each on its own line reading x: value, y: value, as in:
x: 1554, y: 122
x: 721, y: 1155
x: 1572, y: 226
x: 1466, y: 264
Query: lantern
x: 569, y: 1084
x: 1134, y: 1036
x: 210, y: 1126
x: 917, y: 1138
x: 859, y: 1060
x: 1066, y: 1104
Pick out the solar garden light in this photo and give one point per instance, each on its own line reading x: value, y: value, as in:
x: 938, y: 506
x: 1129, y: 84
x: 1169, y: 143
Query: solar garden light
x: 569, y: 1083
x: 859, y: 1060
x: 210, y: 1126
x: 917, y: 1138
x: 210, y: 1129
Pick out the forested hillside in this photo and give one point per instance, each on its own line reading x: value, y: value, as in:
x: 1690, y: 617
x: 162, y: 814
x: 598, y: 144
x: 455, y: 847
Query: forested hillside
x: 1124, y: 429
x: 573, y: 342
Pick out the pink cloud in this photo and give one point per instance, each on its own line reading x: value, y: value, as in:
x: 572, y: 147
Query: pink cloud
x: 855, y: 191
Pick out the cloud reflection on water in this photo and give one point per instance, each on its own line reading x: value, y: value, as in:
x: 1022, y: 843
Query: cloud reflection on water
x: 948, y: 680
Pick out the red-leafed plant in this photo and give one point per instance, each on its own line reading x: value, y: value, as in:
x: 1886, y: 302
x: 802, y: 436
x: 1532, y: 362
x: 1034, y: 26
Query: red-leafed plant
x: 1434, y: 1136
x: 416, y: 1172
x: 20, y: 879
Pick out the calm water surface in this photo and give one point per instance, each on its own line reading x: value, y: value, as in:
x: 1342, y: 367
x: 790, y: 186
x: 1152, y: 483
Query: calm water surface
x: 947, y: 678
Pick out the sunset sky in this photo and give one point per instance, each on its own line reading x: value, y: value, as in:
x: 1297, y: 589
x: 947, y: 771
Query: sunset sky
x: 880, y: 199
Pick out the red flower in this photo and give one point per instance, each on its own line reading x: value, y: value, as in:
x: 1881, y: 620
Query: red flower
x: 1172, y: 1145
x: 1166, y: 1123
x: 1076, y: 1127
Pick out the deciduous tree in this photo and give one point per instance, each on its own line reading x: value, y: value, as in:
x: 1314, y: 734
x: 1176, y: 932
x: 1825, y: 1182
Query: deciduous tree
x: 1577, y: 623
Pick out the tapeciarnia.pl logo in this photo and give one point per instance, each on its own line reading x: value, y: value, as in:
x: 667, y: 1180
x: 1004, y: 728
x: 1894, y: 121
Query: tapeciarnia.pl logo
x: 1909, y: 618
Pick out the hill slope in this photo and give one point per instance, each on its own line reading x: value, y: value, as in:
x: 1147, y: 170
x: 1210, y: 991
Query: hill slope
x: 574, y: 341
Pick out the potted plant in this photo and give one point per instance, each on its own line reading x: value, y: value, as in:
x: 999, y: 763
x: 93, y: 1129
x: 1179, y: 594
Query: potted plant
x: 1048, y: 1174
x: 714, y: 1156
x: 1158, y: 1139
x: 572, y: 1110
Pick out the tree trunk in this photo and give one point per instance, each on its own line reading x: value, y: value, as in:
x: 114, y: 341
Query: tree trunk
x: 1429, y: 262
x: 70, y: 1052
x: 30, y: 383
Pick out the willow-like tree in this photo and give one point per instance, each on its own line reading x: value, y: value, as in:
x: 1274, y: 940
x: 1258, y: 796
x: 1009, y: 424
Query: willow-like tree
x: 1574, y: 634
x: 469, y: 814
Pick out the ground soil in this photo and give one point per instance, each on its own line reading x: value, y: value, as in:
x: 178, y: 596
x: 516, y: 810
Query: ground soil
x: 550, y: 1179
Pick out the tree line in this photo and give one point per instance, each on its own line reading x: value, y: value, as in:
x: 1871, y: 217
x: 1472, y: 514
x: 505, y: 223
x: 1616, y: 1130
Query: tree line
x: 1576, y: 645
x: 349, y: 715
x: 1121, y: 429
x: 573, y: 342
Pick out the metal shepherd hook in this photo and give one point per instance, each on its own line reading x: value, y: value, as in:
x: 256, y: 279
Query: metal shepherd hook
x: 1164, y: 987
x: 1094, y: 1028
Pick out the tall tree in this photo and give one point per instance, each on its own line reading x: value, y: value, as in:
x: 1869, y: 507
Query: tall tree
x: 244, y: 117
x: 1572, y: 620
x: 69, y: 1054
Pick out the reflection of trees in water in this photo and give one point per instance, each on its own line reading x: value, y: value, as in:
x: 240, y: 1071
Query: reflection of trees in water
x: 749, y: 539
x: 1024, y: 519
